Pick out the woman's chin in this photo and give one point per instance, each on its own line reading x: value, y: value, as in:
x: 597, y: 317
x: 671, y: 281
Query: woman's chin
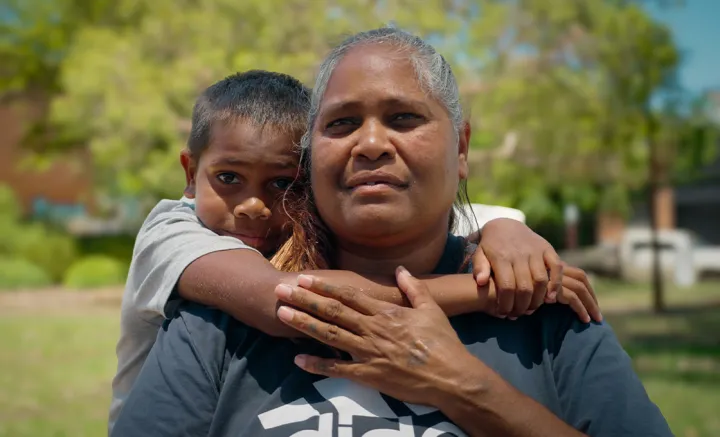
x: 377, y: 219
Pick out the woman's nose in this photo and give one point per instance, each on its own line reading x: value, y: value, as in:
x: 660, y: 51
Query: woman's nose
x: 373, y: 142
x: 252, y: 208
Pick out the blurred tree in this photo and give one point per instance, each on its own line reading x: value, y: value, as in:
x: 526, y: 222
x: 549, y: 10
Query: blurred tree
x: 570, y: 108
x: 564, y: 102
x: 35, y: 36
x: 557, y: 91
x: 128, y: 90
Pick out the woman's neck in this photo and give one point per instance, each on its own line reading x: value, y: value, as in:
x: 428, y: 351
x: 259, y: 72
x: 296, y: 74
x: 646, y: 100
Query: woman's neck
x: 420, y: 255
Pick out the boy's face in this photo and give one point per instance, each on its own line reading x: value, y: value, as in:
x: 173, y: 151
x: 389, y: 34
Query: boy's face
x: 239, y: 180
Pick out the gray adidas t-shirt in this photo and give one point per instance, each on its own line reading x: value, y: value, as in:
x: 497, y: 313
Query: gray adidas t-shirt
x: 211, y: 375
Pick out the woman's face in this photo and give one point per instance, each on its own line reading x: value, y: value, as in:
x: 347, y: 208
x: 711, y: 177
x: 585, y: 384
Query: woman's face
x: 386, y: 162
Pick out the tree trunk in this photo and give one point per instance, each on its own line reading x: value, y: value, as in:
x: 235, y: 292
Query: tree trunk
x: 655, y: 178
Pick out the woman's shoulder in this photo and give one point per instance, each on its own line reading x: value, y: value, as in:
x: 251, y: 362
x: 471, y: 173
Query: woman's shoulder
x: 552, y: 328
x: 563, y: 331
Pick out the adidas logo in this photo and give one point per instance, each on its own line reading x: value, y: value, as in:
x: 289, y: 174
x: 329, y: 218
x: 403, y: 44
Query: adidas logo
x: 352, y: 400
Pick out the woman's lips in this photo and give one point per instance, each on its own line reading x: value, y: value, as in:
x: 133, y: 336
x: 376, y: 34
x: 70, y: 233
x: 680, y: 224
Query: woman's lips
x: 375, y: 189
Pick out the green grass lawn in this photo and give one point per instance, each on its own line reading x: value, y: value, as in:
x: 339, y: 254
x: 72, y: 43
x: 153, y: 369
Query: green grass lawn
x: 55, y: 374
x: 55, y: 370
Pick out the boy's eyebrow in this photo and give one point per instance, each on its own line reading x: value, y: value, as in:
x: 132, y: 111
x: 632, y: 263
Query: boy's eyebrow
x: 280, y: 161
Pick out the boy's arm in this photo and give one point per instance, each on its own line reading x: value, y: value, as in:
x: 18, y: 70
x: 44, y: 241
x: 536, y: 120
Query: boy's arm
x: 170, y: 239
x: 242, y: 284
x: 174, y: 251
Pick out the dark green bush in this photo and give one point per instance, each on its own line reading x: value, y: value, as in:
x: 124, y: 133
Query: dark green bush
x: 95, y: 271
x: 19, y: 273
x: 48, y: 249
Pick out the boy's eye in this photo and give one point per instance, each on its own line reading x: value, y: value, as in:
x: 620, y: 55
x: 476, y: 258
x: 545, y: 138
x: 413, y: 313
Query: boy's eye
x: 228, y: 178
x: 282, y: 183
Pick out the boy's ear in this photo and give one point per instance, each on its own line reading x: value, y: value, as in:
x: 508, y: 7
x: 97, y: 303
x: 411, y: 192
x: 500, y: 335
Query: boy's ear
x: 189, y: 164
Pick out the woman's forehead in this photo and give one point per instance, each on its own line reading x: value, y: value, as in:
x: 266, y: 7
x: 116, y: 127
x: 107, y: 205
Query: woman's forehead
x: 372, y: 70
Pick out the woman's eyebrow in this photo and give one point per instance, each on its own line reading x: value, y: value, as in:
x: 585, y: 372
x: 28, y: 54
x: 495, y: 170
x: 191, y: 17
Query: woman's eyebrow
x: 406, y: 102
x: 388, y: 102
x: 340, y: 106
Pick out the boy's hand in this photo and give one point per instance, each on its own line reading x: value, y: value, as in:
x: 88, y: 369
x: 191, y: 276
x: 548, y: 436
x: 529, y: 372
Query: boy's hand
x: 521, y: 261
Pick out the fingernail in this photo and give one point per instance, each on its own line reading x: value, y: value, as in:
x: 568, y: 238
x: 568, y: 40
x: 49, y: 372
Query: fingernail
x: 305, y: 281
x: 300, y: 360
x: 404, y: 270
x: 529, y: 312
x: 501, y: 316
x: 283, y: 291
x: 512, y: 318
x: 285, y: 314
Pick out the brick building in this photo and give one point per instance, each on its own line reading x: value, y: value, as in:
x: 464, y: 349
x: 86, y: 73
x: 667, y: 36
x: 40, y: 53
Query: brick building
x: 66, y: 183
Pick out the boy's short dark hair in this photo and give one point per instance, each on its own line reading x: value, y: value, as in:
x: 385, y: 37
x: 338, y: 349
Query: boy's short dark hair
x: 259, y: 96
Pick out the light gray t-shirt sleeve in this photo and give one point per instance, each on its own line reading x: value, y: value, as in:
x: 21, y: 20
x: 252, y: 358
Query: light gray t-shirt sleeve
x: 178, y: 387
x: 599, y: 392
x: 171, y: 238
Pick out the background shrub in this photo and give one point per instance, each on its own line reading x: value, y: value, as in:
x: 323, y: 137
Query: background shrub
x: 95, y: 271
x: 19, y: 273
x: 46, y: 248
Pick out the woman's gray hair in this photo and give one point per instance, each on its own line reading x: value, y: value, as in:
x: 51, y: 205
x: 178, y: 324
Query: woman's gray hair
x: 433, y: 72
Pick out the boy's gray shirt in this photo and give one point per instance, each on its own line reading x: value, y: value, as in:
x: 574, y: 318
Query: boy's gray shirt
x: 170, y: 239
x: 209, y: 374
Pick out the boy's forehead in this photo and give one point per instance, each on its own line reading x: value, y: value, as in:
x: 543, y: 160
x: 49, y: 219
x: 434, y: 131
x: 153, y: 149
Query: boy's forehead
x: 245, y: 142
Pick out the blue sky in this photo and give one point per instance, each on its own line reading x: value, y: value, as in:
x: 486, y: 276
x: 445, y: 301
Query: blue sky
x: 696, y: 26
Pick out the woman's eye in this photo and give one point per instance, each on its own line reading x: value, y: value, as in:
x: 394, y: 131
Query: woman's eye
x: 341, y: 122
x: 282, y: 183
x: 228, y: 178
x: 405, y: 117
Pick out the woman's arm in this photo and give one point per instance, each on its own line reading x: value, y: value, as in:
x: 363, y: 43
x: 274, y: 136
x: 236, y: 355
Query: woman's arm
x: 485, y: 405
x: 597, y: 385
x: 176, y: 391
x: 414, y: 355
x: 599, y: 392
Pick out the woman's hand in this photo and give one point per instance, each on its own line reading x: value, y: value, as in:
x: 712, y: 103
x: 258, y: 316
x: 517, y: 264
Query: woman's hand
x: 528, y: 272
x: 411, y: 354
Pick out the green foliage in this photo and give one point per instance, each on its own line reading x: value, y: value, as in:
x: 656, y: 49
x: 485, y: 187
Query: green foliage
x: 129, y: 92
x: 34, y: 243
x: 37, y: 34
x: 19, y: 273
x: 558, y: 91
x: 572, y: 82
x: 50, y: 250
x: 9, y: 206
x: 119, y: 247
x: 95, y: 271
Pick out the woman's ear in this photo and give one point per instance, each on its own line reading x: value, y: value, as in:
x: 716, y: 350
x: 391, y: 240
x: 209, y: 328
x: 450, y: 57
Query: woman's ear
x: 189, y: 164
x: 463, y: 148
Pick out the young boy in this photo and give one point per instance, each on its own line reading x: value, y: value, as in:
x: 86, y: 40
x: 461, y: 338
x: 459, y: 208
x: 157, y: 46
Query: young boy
x: 211, y: 246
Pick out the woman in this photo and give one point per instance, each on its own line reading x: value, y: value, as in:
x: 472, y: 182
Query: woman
x: 389, y: 149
